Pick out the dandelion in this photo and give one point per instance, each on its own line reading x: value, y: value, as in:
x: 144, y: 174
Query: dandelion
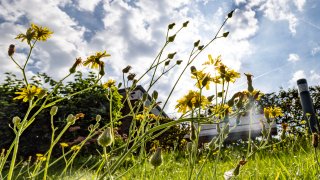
x: 190, y: 101
x: 231, y: 75
x: 94, y: 60
x: 28, y: 93
x: 75, y: 148
x: 110, y: 83
x: 63, y: 144
x: 35, y: 32
x: 203, y: 79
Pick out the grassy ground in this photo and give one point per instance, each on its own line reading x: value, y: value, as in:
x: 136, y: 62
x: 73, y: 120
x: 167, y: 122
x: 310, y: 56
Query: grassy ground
x: 279, y: 162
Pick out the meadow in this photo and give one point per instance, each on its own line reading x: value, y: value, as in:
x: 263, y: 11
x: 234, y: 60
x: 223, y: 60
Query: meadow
x: 81, y: 123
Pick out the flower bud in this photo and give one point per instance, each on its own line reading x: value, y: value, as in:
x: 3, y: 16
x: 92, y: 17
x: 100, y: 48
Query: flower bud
x: 171, y: 55
x: 171, y: 38
x: 196, y: 44
x: 101, y: 72
x: 170, y: 26
x: 155, y: 94
x: 98, y: 117
x: 42, y: 94
x: 185, y: 24
x: 179, y: 62
x: 156, y: 158
x: 75, y: 65
x: 167, y: 63
x: 16, y: 120
x: 54, y: 110
x: 200, y: 47
x: 106, y: 138
x: 11, y: 50
x: 230, y: 14
x: 225, y: 34
x: 71, y: 118
x: 193, y: 70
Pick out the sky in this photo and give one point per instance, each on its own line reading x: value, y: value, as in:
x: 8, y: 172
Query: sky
x: 277, y: 41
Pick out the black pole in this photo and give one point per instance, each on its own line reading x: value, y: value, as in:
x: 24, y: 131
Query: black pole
x: 307, y: 105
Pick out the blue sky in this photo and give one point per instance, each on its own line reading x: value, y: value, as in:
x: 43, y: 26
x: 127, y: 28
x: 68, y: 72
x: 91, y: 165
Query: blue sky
x: 277, y: 41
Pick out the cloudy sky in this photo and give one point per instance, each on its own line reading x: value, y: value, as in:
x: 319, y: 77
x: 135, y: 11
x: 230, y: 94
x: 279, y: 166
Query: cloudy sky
x: 277, y: 41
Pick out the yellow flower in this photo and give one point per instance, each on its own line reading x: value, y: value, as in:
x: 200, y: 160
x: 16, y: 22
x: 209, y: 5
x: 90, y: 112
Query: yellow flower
x: 63, y: 145
x: 190, y: 101
x: 94, y: 60
x: 109, y: 84
x: 39, y: 155
x: 221, y: 111
x: 203, y: 79
x: 28, y: 93
x: 231, y: 75
x: 42, y: 33
x: 272, y: 112
x: 139, y: 117
x: 35, y: 32
x: 212, y: 61
x: 75, y: 148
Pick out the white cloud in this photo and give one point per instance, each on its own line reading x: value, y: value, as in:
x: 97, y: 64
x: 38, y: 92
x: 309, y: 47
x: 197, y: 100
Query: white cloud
x: 88, y: 5
x: 314, y: 77
x: 315, y: 50
x: 299, y: 4
x: 293, y: 57
x: 297, y: 75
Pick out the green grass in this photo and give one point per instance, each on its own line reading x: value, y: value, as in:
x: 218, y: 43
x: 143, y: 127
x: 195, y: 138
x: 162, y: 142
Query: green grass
x: 281, y: 162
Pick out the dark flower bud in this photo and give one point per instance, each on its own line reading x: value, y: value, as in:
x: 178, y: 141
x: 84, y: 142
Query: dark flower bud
x: 126, y: 69
x: 101, y: 72
x: 225, y: 34
x: 193, y: 70
x: 171, y: 55
x: 167, y: 63
x: 171, y: 38
x: 179, y: 62
x: 11, y: 50
x: 196, y: 44
x: 200, y: 47
x: 131, y: 76
x: 170, y: 26
x: 230, y: 14
x: 155, y: 95
x: 185, y: 24
x: 210, y: 98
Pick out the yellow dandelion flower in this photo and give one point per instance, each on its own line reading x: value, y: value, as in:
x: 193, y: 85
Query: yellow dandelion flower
x: 28, y: 93
x: 75, y: 148
x: 94, y: 60
x: 42, y: 33
x: 63, y: 144
x: 39, y: 155
x: 139, y: 117
x: 109, y: 84
x: 203, y: 79
x: 190, y: 101
x: 231, y: 75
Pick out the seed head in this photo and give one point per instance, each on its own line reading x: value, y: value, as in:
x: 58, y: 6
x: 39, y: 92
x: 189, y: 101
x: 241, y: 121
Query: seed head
x: 131, y: 76
x: 126, y: 69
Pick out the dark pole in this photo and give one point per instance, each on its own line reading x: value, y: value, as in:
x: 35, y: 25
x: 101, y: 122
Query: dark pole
x: 307, y: 105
